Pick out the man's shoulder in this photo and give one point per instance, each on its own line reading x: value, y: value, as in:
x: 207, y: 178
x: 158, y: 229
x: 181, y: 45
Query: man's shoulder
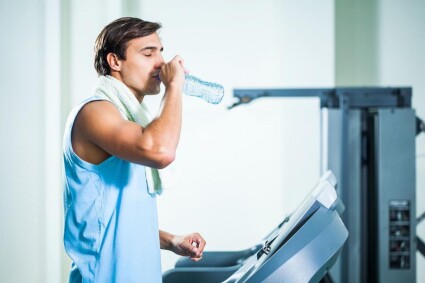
x: 97, y: 109
x: 97, y: 104
x: 94, y: 120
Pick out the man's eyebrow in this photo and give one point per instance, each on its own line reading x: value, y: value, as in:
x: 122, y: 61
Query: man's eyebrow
x: 153, y: 48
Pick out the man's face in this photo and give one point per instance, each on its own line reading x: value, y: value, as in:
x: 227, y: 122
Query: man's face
x: 143, y: 61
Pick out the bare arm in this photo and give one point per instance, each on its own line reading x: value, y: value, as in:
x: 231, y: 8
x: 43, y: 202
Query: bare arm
x: 100, y: 131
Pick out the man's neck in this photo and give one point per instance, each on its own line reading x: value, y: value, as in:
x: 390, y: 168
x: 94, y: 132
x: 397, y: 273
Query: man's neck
x: 117, y: 76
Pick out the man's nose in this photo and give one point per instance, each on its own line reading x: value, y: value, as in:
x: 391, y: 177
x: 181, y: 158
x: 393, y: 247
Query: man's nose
x: 160, y: 62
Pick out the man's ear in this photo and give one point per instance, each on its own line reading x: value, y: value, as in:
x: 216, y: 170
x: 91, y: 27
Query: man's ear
x: 114, y: 62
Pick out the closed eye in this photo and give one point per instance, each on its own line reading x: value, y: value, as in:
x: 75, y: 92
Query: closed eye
x: 151, y: 49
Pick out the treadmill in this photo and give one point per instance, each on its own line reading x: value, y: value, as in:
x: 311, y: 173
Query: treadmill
x: 302, y: 248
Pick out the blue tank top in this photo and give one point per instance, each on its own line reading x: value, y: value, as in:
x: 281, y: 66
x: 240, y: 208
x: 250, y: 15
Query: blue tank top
x: 111, y: 224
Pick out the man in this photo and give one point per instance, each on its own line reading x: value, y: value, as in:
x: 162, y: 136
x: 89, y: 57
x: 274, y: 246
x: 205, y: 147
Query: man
x: 111, y: 155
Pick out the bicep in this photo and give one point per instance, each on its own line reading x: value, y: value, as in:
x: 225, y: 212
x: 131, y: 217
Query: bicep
x: 104, y: 127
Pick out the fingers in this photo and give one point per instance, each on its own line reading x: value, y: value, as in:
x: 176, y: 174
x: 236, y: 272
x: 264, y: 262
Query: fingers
x: 191, y: 245
x: 173, y: 72
x: 179, y: 59
x: 181, y: 62
x: 198, y: 242
x: 196, y: 259
x: 189, y: 248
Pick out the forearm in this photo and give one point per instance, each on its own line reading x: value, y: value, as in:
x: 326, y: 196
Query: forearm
x: 165, y: 240
x: 160, y: 138
x: 165, y: 128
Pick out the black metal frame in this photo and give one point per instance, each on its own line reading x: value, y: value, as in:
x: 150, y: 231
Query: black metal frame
x: 355, y: 97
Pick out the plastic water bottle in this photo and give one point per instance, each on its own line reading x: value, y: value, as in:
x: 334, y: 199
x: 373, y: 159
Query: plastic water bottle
x: 210, y: 92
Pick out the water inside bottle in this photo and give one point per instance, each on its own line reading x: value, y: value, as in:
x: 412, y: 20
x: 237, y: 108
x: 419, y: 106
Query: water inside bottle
x: 210, y: 92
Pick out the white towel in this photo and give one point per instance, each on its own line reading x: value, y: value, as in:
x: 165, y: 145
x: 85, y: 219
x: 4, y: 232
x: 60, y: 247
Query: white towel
x: 122, y: 97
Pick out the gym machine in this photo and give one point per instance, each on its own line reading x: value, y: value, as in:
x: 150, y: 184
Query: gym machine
x: 368, y: 141
x: 301, y: 249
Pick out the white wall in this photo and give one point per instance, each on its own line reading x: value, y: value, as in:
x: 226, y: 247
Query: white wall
x: 29, y: 142
x: 21, y: 203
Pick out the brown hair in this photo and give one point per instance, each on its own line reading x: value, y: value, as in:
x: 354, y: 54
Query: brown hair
x: 114, y: 37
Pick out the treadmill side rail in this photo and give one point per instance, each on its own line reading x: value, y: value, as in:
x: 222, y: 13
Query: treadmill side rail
x: 309, y: 254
